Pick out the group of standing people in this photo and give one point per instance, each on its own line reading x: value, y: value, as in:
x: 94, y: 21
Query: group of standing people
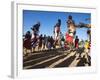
x: 33, y: 41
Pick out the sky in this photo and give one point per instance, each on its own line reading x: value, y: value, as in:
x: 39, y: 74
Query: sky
x: 48, y: 19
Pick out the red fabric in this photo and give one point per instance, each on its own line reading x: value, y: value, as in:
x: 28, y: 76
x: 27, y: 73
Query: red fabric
x: 76, y: 43
x: 69, y: 38
x: 27, y: 44
x: 65, y: 46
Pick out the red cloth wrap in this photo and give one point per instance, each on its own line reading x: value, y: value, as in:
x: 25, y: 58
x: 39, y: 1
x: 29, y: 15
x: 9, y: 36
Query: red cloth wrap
x: 69, y: 38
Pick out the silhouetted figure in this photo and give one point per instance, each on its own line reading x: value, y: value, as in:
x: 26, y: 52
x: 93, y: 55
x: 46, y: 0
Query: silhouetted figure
x: 35, y: 30
x: 76, y: 42
x: 34, y: 43
x: 57, y: 26
x: 40, y: 42
x: 48, y: 43
x: 52, y: 42
x: 28, y: 35
x: 82, y: 44
x: 57, y: 32
x: 35, y: 34
x: 89, y: 34
x: 62, y: 41
x: 27, y: 42
x: 44, y: 41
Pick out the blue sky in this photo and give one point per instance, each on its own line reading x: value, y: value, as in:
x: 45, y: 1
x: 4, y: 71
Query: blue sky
x: 48, y: 19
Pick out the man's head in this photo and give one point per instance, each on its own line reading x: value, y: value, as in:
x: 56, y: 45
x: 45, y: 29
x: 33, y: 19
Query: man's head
x: 69, y: 17
x: 76, y: 37
x: 28, y: 32
x: 59, y: 20
x: 36, y: 26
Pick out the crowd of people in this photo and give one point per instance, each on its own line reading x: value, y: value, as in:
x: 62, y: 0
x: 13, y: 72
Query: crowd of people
x: 39, y: 43
x: 33, y: 41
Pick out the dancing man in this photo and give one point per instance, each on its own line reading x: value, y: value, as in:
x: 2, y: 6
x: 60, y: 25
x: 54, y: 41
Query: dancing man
x: 35, y: 35
x: 57, y: 32
x: 71, y: 31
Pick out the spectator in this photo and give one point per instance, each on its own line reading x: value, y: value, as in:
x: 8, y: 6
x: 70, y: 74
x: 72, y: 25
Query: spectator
x: 76, y: 42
